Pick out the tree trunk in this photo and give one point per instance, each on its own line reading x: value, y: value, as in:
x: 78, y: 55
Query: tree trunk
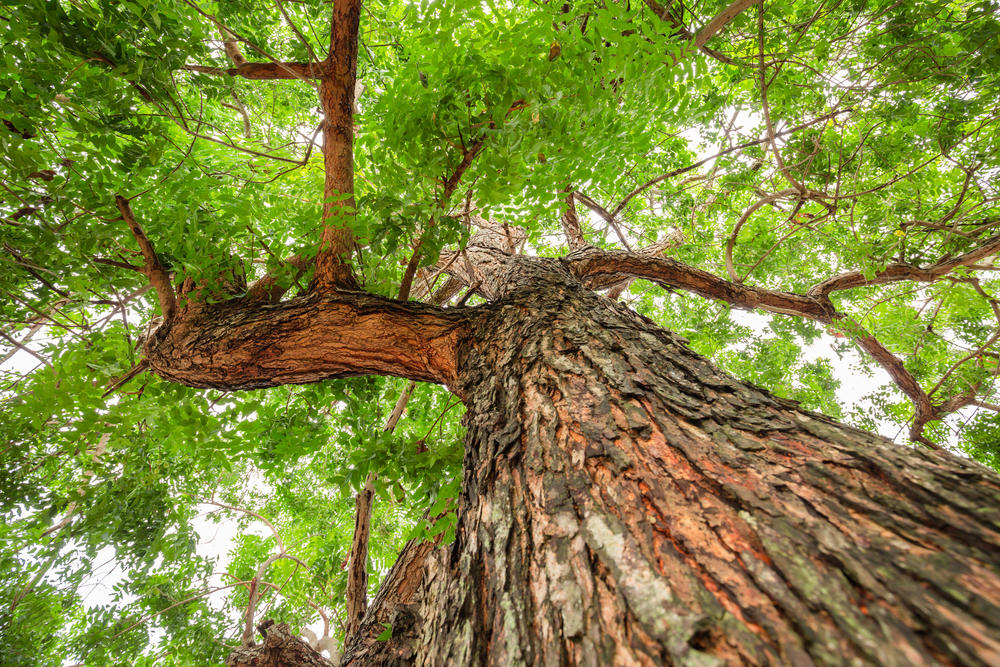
x: 625, y: 503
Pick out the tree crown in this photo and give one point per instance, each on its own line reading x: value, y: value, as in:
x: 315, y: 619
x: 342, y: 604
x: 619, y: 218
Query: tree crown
x: 834, y: 168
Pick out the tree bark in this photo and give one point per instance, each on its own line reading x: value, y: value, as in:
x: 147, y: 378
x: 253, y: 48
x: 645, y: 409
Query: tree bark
x: 336, y: 96
x: 626, y: 503
x: 244, y: 344
x: 623, y: 501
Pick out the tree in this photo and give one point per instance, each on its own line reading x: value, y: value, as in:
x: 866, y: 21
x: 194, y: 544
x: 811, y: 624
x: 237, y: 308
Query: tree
x: 225, y: 288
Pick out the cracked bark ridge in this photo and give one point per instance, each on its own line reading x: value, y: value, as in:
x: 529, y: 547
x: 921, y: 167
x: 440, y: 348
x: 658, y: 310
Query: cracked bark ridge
x: 280, y: 649
x: 626, y: 503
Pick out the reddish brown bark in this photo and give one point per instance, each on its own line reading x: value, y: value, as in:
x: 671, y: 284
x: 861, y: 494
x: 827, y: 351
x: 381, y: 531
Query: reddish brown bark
x: 603, y: 268
x: 356, y: 595
x: 626, y: 503
x: 264, y: 71
x: 571, y: 223
x: 242, y: 344
x: 336, y: 95
x: 152, y: 267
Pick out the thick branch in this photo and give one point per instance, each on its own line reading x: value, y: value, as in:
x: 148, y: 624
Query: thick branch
x: 898, y: 272
x: 601, y: 268
x: 605, y: 268
x: 263, y: 71
x: 336, y: 95
x: 357, y: 563
x: 571, y: 224
x: 153, y: 269
x: 389, y: 605
x: 721, y: 20
x: 924, y: 411
x: 665, y: 14
x: 240, y: 345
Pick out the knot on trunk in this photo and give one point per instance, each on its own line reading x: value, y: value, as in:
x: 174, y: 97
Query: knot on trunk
x: 280, y: 649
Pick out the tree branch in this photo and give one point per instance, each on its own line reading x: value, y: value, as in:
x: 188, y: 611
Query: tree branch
x: 923, y: 409
x: 153, y: 268
x: 571, y: 223
x: 766, y: 108
x: 240, y: 345
x: 605, y: 268
x: 24, y: 348
x: 396, y: 593
x: 298, y: 33
x: 263, y: 71
x: 601, y: 268
x: 720, y: 21
x: 731, y: 243
x: 336, y: 94
x: 732, y: 149
x: 450, y: 185
x: 267, y: 289
x: 898, y: 272
x: 117, y: 383
x: 608, y: 217
x: 356, y: 594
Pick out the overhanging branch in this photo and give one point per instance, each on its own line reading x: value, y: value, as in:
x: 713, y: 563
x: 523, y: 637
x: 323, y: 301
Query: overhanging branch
x: 263, y: 71
x: 604, y: 268
x: 900, y: 272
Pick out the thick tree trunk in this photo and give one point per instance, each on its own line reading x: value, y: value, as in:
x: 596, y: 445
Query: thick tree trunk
x: 626, y: 503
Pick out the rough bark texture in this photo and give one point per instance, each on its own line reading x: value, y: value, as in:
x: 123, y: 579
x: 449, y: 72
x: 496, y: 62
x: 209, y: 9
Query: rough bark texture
x: 392, y: 606
x: 240, y: 344
x: 626, y: 503
x: 336, y: 96
x: 357, y: 560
